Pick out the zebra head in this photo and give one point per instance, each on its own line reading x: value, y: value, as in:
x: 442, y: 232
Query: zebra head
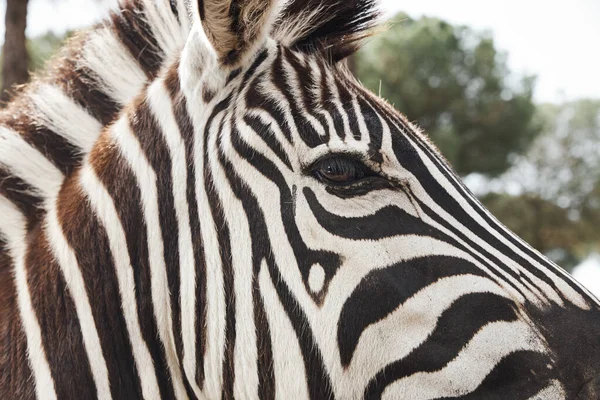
x: 200, y: 201
x: 352, y: 257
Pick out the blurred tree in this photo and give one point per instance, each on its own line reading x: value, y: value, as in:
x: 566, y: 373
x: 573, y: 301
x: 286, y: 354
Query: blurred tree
x: 43, y: 47
x: 558, y: 181
x: 14, y: 53
x: 453, y: 82
x: 40, y: 49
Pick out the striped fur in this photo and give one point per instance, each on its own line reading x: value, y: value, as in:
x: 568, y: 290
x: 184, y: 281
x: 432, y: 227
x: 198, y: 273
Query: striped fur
x: 164, y: 234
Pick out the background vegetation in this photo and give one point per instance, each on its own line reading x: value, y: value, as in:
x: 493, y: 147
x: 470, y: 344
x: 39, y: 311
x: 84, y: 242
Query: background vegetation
x: 535, y: 166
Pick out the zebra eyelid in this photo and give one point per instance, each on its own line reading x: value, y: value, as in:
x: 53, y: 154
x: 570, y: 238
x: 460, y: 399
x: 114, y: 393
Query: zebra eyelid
x: 353, y: 156
x: 368, y: 180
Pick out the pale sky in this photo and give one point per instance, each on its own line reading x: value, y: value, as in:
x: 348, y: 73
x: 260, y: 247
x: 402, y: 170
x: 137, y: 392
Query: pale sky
x: 556, y: 40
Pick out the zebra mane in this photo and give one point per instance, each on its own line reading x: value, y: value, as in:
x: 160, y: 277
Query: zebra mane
x: 54, y: 121
x: 335, y: 27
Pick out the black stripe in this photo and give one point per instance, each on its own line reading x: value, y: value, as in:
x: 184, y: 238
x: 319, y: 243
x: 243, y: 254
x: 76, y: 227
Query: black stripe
x: 64, y: 155
x: 256, y: 64
x: 19, y: 193
x: 306, y: 257
x: 410, y: 160
x: 53, y: 306
x: 494, y: 224
x: 122, y: 186
x: 256, y: 99
x: 147, y: 130
x: 138, y: 38
x: 305, y: 129
x: 449, y: 338
x: 173, y: 4
x: 305, y: 80
x: 348, y: 108
x: 85, y: 89
x: 266, y: 376
x: 224, y: 240
x: 329, y: 106
x: 97, y: 267
x: 397, y: 223
x: 187, y: 131
x: 265, y: 132
x: 383, y: 291
x: 520, y: 375
x: 478, y: 252
x: 261, y: 129
x: 16, y: 379
x: 373, y: 123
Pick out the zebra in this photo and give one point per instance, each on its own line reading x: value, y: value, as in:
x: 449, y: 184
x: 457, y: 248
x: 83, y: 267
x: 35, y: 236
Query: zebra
x: 199, y: 201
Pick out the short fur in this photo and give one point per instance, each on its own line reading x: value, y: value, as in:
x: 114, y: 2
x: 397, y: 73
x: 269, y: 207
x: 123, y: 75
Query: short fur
x: 168, y: 228
x: 101, y: 70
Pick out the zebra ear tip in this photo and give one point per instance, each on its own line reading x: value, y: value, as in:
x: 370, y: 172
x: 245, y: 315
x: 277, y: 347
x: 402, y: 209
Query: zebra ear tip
x: 236, y: 28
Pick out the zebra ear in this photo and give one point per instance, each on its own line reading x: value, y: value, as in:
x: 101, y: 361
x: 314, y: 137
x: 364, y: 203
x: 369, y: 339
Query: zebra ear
x: 237, y: 28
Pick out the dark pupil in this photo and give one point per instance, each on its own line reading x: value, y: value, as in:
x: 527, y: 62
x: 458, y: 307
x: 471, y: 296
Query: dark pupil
x: 341, y: 171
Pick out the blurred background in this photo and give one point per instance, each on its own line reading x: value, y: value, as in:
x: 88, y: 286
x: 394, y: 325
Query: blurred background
x: 509, y: 91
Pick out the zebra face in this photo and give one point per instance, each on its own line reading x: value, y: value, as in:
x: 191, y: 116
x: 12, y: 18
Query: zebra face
x: 348, y: 240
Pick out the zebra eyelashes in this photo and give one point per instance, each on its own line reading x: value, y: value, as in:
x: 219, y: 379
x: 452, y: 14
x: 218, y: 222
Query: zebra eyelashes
x: 343, y: 171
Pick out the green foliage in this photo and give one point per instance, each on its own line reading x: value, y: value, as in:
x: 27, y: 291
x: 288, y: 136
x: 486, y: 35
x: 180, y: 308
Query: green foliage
x: 43, y: 47
x: 558, y: 208
x: 455, y: 84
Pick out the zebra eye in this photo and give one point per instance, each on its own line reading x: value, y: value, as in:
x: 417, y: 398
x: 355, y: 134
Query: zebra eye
x: 340, y: 170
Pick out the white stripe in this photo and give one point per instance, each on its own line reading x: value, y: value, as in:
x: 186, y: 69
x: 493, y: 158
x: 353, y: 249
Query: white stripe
x: 105, y: 210
x: 13, y: 228
x: 161, y: 106
x: 161, y: 300
x: 245, y: 351
x: 554, y: 391
x: 466, y: 372
x: 215, y: 298
x: 30, y: 165
x: 408, y: 327
x: 125, y: 78
x: 169, y: 35
x: 288, y: 362
x: 65, y: 256
x: 65, y: 117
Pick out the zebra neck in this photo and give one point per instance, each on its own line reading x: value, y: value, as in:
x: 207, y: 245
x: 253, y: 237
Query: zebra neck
x: 46, y: 133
